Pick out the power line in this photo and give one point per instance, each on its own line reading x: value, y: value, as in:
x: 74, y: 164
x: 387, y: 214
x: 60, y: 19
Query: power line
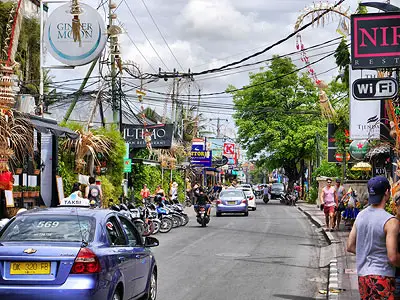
x: 137, y: 48
x: 254, y: 85
x: 145, y: 35
x: 159, y: 31
x: 271, y: 46
x: 310, y: 49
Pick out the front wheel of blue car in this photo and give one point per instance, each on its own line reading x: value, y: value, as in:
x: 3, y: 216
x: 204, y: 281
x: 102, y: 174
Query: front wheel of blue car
x: 116, y: 296
x: 152, y: 292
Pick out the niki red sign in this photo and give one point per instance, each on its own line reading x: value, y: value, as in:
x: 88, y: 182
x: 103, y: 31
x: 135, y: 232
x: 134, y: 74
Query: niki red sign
x: 375, y: 41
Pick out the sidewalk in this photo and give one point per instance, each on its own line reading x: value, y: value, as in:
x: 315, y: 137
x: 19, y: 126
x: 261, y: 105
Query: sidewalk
x: 342, y: 265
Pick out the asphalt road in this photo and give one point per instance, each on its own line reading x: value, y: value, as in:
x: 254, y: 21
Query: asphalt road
x: 271, y: 254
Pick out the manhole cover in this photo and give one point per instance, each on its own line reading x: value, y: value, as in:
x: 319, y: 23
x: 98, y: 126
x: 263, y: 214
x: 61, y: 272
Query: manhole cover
x: 234, y: 254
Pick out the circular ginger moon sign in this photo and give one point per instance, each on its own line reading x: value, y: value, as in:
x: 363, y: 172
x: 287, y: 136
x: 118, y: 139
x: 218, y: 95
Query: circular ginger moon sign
x: 59, y: 39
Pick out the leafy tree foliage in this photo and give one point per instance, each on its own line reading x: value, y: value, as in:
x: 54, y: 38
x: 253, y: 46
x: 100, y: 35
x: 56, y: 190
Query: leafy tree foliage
x: 278, y: 117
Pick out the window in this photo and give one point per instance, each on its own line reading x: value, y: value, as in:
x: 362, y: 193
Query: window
x: 130, y: 232
x: 231, y: 193
x: 62, y: 228
x: 114, y: 231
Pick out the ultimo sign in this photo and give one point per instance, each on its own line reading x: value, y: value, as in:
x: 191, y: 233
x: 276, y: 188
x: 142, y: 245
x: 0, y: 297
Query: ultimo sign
x: 59, y: 38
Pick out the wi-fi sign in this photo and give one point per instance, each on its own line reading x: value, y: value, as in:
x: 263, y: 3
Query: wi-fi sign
x: 375, y: 88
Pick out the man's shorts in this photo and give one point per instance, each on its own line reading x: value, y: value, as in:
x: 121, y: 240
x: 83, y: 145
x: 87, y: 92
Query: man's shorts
x: 376, y: 287
x: 329, y: 210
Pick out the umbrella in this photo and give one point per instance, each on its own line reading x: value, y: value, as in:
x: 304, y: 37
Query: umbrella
x: 362, y: 166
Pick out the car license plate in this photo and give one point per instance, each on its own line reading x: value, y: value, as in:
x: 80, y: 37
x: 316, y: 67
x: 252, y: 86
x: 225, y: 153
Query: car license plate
x: 30, y: 268
x: 232, y: 202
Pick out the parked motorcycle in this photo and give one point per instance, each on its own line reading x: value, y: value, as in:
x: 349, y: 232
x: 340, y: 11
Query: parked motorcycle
x: 136, y: 218
x: 290, y: 199
x: 166, y: 220
x: 188, y: 202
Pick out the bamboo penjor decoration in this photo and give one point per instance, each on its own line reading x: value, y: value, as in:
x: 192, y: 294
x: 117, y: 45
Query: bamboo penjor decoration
x: 16, y: 135
x: 76, y: 23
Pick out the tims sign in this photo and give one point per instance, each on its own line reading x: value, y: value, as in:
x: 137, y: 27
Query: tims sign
x: 375, y: 41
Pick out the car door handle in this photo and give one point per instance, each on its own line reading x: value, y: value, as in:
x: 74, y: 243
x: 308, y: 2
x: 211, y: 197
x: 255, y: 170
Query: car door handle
x: 121, y: 258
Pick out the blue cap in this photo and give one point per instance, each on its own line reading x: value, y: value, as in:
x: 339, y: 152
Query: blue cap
x: 377, y: 186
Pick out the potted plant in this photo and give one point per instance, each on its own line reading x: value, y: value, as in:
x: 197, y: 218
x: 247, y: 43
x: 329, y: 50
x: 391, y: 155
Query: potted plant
x: 25, y: 191
x: 36, y: 191
x: 18, y: 168
x: 17, y: 192
x: 32, y: 191
x: 36, y: 170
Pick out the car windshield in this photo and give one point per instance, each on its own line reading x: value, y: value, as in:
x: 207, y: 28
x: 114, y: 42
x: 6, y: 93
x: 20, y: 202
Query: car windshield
x: 50, y: 228
x: 231, y: 193
x: 278, y: 186
x: 247, y: 191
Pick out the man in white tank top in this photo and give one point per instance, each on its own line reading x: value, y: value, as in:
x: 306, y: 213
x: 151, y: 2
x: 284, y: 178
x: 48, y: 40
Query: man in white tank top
x: 373, y: 239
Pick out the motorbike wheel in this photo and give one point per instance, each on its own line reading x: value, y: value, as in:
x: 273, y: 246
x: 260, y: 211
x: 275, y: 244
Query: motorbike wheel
x: 139, y: 226
x: 188, y: 203
x: 186, y: 220
x: 176, y: 221
x: 147, y: 230
x: 166, y: 225
x: 156, y: 227
x: 203, y: 222
x: 266, y: 200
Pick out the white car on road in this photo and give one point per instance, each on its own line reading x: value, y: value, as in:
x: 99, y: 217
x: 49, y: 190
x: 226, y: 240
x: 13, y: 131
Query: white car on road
x: 251, y: 198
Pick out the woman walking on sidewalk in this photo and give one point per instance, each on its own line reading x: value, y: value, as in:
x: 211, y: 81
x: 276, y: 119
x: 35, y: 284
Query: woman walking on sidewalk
x: 329, y: 203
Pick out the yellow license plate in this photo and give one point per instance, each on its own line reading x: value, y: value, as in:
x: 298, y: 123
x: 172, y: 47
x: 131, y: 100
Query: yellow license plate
x: 30, y: 268
x: 232, y: 202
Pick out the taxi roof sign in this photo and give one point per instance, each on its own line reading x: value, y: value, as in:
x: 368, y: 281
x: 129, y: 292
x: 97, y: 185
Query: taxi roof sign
x: 75, y: 201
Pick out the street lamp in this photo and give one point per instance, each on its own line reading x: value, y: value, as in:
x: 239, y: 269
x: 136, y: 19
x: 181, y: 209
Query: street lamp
x: 386, y: 7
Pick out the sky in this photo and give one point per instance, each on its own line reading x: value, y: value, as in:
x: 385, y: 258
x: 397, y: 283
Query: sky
x: 204, y: 34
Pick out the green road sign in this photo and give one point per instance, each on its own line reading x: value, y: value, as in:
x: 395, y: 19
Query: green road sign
x: 127, y: 165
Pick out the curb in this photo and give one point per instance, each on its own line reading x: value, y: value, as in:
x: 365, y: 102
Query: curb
x: 333, y: 275
x: 328, y: 235
x: 333, y: 280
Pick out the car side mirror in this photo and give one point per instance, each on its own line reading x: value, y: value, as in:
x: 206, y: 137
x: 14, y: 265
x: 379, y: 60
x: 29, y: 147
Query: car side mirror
x: 150, y: 241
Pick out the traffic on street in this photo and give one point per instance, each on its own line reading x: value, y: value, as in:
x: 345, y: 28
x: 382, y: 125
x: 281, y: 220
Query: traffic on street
x: 199, y: 149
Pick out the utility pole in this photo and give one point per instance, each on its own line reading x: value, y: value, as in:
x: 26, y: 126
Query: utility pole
x: 113, y: 52
x: 218, y: 125
x: 176, y: 76
x: 121, y: 128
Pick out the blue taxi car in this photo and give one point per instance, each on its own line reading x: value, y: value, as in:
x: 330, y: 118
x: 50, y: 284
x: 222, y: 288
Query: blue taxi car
x: 75, y: 253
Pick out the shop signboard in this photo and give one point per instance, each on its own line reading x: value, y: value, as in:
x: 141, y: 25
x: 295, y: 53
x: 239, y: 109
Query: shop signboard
x: 201, y: 158
x: 161, y: 135
x: 229, y: 149
x: 375, y: 41
x: 60, y: 41
x: 358, y: 149
x: 375, y: 88
x: 365, y: 116
x: 216, y: 146
x: 332, y: 147
x: 127, y: 165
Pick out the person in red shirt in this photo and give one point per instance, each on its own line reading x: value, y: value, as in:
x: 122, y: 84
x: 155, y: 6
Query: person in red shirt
x: 145, y: 193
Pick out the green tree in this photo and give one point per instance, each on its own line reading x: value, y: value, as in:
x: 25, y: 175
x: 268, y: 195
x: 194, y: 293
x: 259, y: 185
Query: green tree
x: 342, y: 57
x: 278, y: 116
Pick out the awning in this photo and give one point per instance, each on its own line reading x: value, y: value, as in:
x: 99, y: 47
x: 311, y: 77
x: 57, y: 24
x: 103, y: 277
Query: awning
x: 49, y: 127
x: 383, y: 149
x: 362, y: 166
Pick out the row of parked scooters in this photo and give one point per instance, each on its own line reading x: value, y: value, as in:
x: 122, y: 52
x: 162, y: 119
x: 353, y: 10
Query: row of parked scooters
x: 151, y: 219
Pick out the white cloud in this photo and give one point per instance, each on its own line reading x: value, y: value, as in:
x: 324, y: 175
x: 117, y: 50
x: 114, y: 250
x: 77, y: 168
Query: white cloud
x: 218, y: 19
